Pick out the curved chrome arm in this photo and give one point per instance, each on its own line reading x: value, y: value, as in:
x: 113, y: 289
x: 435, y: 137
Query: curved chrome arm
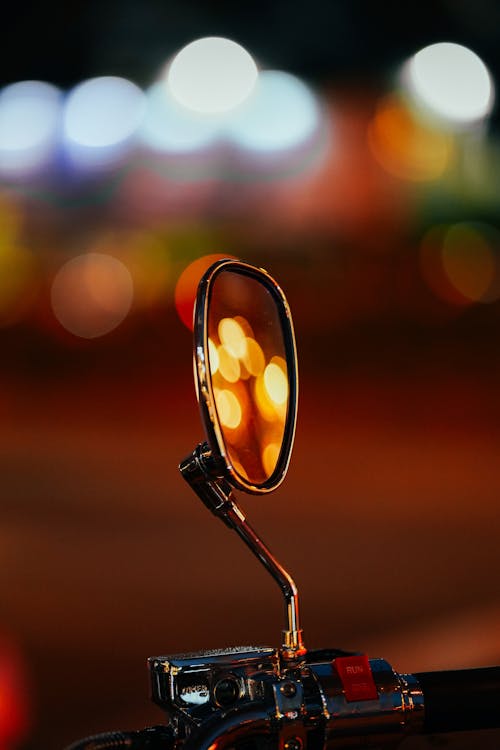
x: 293, y: 644
x: 197, y: 469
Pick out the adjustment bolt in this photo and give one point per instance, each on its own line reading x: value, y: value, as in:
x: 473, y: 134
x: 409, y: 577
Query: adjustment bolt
x: 293, y: 743
x: 226, y: 692
x: 289, y: 690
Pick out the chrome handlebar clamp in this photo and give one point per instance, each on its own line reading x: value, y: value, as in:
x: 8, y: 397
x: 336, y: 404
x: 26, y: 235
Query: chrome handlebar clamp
x: 301, y: 706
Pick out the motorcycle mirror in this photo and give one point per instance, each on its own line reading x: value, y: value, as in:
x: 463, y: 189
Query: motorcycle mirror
x: 246, y: 374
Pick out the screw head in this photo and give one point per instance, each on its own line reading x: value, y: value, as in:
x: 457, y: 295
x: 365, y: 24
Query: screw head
x: 289, y: 690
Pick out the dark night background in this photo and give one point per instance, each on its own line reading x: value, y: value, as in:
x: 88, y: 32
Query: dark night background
x: 323, y: 41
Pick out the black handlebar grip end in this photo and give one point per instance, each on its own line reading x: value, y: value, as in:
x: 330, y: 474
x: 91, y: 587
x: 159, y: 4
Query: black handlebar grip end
x: 461, y: 700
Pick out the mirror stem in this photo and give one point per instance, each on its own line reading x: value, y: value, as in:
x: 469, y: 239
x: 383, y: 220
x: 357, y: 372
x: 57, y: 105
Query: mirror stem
x: 216, y: 494
x: 293, y: 645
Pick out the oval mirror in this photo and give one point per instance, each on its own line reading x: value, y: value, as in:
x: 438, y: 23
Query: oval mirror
x: 246, y: 373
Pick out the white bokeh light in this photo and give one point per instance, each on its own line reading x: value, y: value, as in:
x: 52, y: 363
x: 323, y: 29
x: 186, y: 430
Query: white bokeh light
x: 30, y: 113
x: 282, y: 114
x: 212, y: 75
x: 171, y: 128
x: 92, y: 294
x: 101, y: 116
x: 451, y: 81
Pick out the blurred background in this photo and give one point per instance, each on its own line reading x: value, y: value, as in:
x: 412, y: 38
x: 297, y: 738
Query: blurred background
x: 351, y: 149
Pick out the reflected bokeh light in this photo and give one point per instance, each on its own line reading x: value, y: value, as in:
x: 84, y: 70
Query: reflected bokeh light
x: 249, y: 375
x: 265, y: 405
x: 229, y: 366
x: 451, y: 81
x: 276, y: 382
x: 213, y: 356
x: 92, y: 294
x: 270, y: 456
x: 228, y: 408
x: 248, y: 393
x: 233, y: 337
x: 254, y: 359
x: 212, y: 75
x: 30, y: 113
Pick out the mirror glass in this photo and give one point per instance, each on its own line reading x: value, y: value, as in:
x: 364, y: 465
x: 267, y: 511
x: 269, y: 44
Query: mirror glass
x: 249, y: 374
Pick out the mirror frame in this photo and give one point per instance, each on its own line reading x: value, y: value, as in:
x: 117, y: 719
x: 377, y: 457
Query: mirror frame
x: 203, y: 380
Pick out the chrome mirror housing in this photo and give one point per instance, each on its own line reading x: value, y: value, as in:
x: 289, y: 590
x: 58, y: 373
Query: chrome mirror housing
x: 246, y: 374
x: 245, y: 367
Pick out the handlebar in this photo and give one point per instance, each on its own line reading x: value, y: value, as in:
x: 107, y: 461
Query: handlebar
x: 151, y: 738
x: 232, y: 730
x: 460, y: 700
x: 312, y: 704
x: 453, y: 701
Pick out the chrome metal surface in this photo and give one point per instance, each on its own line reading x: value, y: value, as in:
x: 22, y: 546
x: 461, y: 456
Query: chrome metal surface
x: 297, y: 700
x: 304, y: 704
x: 414, y: 703
x: 210, y: 468
x: 185, y: 685
x: 216, y: 436
x: 398, y: 709
x: 218, y: 497
x: 231, y: 729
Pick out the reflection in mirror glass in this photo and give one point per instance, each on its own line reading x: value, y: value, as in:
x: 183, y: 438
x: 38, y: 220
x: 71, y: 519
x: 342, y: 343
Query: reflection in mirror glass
x: 249, y: 374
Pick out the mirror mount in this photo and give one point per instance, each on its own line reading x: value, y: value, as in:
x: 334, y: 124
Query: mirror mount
x: 245, y: 367
x: 201, y: 472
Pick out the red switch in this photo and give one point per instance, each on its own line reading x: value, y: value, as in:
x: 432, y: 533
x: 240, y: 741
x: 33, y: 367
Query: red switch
x: 356, y: 677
